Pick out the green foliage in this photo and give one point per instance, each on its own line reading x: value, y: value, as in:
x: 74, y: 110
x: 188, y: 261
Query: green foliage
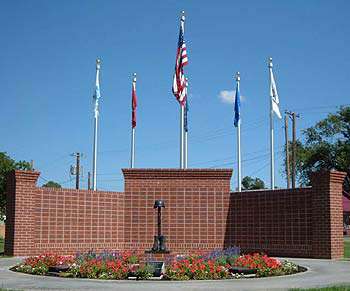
x: 52, y: 184
x: 144, y: 272
x: 39, y: 269
x: 1, y: 244
x: 347, y: 249
x: 7, y: 165
x: 133, y: 259
x: 332, y: 288
x: 250, y: 183
x: 325, y: 146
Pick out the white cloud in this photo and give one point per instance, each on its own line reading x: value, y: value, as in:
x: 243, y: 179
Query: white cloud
x: 228, y: 97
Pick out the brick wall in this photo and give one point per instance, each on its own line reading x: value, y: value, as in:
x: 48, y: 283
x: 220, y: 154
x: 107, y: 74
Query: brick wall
x: 60, y: 220
x: 277, y: 222
x: 200, y: 214
x: 196, y: 204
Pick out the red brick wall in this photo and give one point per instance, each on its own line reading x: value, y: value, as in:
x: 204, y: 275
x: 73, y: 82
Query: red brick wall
x: 60, y: 220
x: 200, y: 214
x: 70, y: 220
x: 196, y: 204
x: 277, y: 222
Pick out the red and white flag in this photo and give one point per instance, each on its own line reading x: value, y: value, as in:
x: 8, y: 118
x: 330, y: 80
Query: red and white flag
x: 133, y: 102
x: 179, y: 82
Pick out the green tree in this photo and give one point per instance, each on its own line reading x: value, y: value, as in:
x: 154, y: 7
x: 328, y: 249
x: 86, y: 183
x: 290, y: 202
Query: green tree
x: 250, y: 183
x: 6, y: 165
x: 325, y: 146
x: 52, y: 184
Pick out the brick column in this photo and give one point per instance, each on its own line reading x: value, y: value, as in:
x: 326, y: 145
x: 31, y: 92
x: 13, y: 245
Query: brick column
x: 20, y: 212
x: 327, y: 215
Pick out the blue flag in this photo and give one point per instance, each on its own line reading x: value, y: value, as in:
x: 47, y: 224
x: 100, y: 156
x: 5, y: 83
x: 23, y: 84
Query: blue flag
x: 237, y: 106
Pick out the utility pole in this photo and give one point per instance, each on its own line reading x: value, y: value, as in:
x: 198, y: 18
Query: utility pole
x: 294, y: 116
x: 77, y: 176
x: 76, y: 170
x: 287, y: 149
x: 89, y: 181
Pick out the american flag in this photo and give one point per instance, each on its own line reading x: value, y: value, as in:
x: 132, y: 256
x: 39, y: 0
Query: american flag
x: 179, y: 82
x: 133, y: 102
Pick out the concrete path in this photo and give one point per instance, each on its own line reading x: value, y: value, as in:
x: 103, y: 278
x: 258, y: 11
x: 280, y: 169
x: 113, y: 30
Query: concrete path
x: 320, y: 273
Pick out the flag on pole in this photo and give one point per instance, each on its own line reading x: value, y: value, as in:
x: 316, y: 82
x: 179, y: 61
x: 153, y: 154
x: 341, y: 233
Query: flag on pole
x: 274, y: 95
x: 133, y: 102
x: 179, y: 82
x: 97, y: 93
x: 237, y: 106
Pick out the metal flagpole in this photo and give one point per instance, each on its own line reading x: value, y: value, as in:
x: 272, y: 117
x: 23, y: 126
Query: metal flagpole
x: 239, y: 172
x: 186, y: 148
x: 272, y: 157
x: 186, y: 129
x: 97, y: 93
x: 132, y: 162
x: 132, y: 159
x: 182, y: 115
x: 182, y: 111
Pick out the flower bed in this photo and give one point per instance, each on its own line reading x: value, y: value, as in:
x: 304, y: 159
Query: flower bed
x: 123, y: 265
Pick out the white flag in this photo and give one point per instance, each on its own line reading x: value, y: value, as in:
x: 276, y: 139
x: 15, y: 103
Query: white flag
x: 274, y: 96
x: 97, y: 93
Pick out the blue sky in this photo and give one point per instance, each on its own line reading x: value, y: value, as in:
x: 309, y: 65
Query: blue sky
x: 47, y: 75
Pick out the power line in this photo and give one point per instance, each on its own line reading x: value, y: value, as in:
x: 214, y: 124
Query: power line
x: 211, y: 135
x: 227, y: 158
x: 259, y: 157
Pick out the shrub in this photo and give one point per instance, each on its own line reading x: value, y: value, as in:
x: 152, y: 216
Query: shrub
x: 144, y: 272
x: 195, y: 267
x: 100, y: 269
x: 40, y: 265
x: 119, y: 265
x: 264, y: 265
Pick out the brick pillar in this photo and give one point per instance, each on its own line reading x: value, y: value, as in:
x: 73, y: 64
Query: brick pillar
x: 20, y: 212
x: 327, y: 215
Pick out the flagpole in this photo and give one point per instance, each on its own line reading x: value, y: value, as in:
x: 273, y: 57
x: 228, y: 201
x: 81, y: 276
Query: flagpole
x: 272, y: 154
x: 186, y: 130
x: 182, y: 115
x: 239, y: 170
x: 186, y: 149
x: 132, y: 161
x: 132, y: 158
x: 94, y: 165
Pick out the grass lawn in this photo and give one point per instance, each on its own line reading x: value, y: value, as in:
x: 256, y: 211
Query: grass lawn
x: 1, y: 246
x: 347, y: 249
x: 333, y: 288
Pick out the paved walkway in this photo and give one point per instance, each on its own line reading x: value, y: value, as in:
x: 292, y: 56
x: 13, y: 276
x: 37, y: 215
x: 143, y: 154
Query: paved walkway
x: 320, y: 273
